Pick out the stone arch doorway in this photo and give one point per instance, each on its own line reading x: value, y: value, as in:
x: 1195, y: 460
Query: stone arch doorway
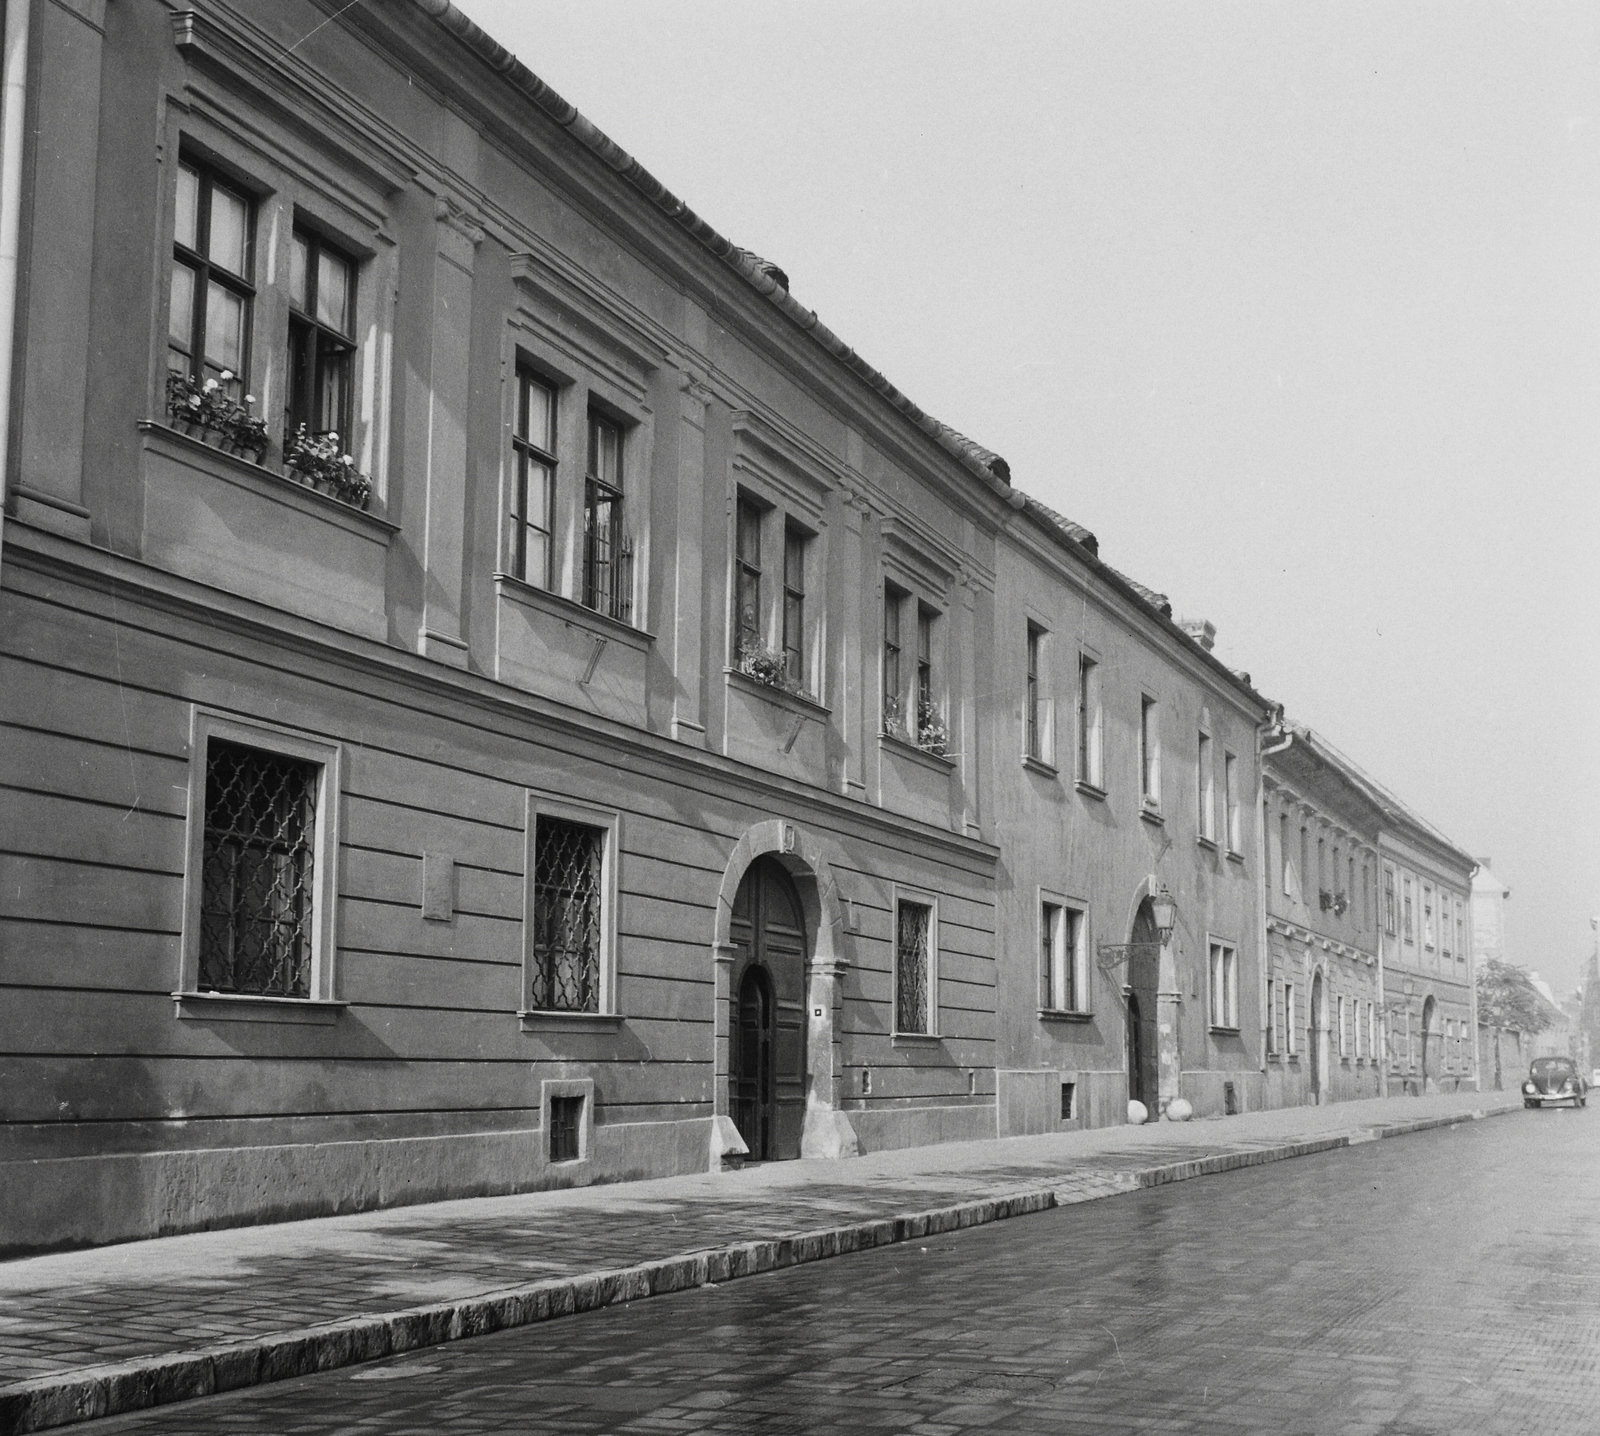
x: 1144, y: 978
x: 805, y: 884
x: 1430, y: 1056
x: 1316, y: 1040
x: 767, y: 1029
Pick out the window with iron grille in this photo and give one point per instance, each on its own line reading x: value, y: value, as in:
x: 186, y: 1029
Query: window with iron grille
x: 913, y: 967
x: 213, y: 256
x: 257, y: 877
x: 564, y: 973
x: 607, y: 549
x: 322, y: 326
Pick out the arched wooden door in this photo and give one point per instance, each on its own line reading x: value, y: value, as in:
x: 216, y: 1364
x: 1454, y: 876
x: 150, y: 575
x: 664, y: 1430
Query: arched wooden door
x: 766, y: 1063
x: 1144, y: 976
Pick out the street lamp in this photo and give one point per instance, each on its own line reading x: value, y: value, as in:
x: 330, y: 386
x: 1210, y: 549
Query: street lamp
x: 1165, y: 911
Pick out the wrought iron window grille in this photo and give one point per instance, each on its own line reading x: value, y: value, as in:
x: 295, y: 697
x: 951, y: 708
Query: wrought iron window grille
x: 567, y: 917
x: 913, y: 924
x: 257, y: 872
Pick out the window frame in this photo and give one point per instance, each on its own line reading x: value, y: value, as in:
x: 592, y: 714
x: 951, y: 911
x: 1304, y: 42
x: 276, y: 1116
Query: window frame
x: 891, y: 656
x: 1222, y: 972
x: 315, y: 330
x: 1291, y: 1045
x: 918, y: 897
x: 1205, y: 788
x: 1408, y: 913
x: 206, y: 724
x: 1232, y: 819
x: 204, y: 268
x: 1063, y: 943
x: 525, y: 454
x: 1149, y: 752
x: 1391, y: 902
x: 1283, y: 854
x: 1088, y: 715
x: 792, y: 626
x: 617, y: 589
x: 1038, y: 728
x: 608, y: 822
x: 1272, y: 1017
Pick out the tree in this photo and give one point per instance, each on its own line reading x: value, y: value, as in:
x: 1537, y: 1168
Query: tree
x: 1506, y: 998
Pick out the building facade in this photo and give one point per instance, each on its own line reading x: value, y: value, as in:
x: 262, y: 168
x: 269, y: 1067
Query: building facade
x: 1323, y: 997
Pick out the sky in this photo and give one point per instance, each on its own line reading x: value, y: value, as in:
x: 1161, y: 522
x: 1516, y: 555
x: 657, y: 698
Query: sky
x: 1296, y: 306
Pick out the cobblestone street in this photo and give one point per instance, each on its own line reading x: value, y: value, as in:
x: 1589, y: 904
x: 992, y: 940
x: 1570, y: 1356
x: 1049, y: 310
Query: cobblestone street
x: 1447, y: 1283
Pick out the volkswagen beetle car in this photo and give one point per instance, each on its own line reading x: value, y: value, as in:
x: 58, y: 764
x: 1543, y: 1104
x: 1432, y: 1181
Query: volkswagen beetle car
x: 1554, y: 1079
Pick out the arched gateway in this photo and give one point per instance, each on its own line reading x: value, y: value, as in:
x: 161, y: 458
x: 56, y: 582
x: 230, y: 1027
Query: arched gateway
x: 778, y: 956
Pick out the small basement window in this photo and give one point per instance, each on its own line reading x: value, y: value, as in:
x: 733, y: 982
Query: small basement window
x: 566, y: 1122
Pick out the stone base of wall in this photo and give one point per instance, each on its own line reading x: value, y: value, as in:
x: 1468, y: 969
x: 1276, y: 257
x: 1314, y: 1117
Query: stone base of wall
x: 88, y: 1201
x: 886, y: 1129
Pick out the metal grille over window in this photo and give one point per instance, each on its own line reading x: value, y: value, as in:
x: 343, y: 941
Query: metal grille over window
x: 911, y: 967
x: 566, y: 905
x: 255, y: 905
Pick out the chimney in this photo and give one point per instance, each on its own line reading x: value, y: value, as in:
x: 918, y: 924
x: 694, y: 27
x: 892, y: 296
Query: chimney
x: 1202, y: 630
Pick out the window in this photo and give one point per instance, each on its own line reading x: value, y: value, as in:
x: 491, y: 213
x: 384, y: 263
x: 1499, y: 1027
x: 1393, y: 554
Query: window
x: 1149, y: 753
x: 1230, y: 800
x: 747, y: 579
x: 1355, y: 1027
x: 1283, y: 853
x: 570, y: 931
x: 913, y: 967
x: 1322, y: 869
x: 1461, y: 949
x: 1339, y: 1004
x: 794, y: 604
x: 1224, y: 986
x: 1291, y: 1045
x: 1410, y: 932
x: 1350, y: 886
x: 1089, y: 763
x: 1444, y: 924
x: 1372, y: 1031
x: 322, y: 326
x: 1366, y: 897
x: 1305, y: 860
x: 893, y: 709
x: 1427, y: 916
x: 1036, y: 738
x: 1388, y: 902
x: 533, y: 447
x: 258, y: 874
x: 1068, y: 1093
x: 1274, y: 1014
x: 1061, y: 958
x: 566, y: 1125
x: 607, y: 550
x: 213, y: 243
x: 1206, y: 796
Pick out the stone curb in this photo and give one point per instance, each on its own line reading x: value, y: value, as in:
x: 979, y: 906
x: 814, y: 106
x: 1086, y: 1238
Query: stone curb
x: 89, y: 1392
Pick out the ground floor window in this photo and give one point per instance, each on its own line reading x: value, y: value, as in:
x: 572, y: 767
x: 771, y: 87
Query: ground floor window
x: 1061, y: 966
x: 913, y: 967
x: 567, y: 927
x: 1224, y: 985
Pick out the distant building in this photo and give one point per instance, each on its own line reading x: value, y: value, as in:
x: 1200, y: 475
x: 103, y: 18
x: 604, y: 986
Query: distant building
x: 1489, y: 899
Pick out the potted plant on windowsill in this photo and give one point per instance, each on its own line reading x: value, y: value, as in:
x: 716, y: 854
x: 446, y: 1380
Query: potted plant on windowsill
x: 322, y: 465
x: 764, y: 665
x: 894, y: 722
x: 205, y: 410
x: 933, y: 736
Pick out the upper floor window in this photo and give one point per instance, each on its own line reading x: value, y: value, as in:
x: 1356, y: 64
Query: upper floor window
x: 1427, y: 917
x: 1305, y: 861
x: 1366, y: 897
x: 607, y: 549
x: 1230, y: 802
x: 894, y: 718
x: 1149, y: 753
x: 1224, y: 985
x: 1088, y: 716
x: 1408, y: 914
x: 321, y: 337
x: 1389, y: 913
x: 1461, y: 950
x: 794, y: 604
x: 1206, y: 786
x: 1283, y: 853
x: 1036, y: 738
x: 1341, y: 1007
x: 747, y: 578
x: 912, y: 708
x: 208, y: 332
x: 533, y: 444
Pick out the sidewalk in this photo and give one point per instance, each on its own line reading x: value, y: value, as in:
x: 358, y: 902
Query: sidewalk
x: 92, y: 1333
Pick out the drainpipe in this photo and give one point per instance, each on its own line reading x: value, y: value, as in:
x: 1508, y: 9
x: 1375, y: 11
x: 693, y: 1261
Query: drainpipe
x: 1265, y: 732
x: 13, y: 114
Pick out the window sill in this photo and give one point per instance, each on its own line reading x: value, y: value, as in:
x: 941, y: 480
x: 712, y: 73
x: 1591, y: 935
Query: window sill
x: 1063, y: 1014
x: 1090, y: 790
x: 783, y: 697
x: 1274, y: 1057
x: 569, y: 610
x: 920, y: 755
x: 1224, y: 1031
x: 1208, y: 843
x: 539, y: 1021
x: 1039, y: 766
x: 1152, y: 815
x: 916, y: 1039
x: 250, y: 1007
x: 1234, y: 857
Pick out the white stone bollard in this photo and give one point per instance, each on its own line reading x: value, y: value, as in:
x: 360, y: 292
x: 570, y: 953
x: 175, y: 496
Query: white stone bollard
x: 1138, y: 1113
